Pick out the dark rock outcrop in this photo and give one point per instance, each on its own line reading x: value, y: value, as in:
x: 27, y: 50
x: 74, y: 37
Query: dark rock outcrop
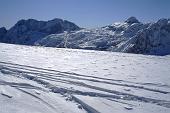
x: 154, y: 40
x: 130, y: 36
x: 29, y: 31
x: 132, y: 20
x: 3, y: 32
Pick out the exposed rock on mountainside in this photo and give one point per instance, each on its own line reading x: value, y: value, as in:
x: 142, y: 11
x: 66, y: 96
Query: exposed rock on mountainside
x: 155, y: 39
x: 129, y: 36
x: 132, y: 20
x: 105, y: 38
x: 3, y: 31
x: 29, y: 31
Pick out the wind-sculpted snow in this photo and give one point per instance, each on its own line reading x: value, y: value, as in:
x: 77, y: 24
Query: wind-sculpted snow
x: 66, y: 80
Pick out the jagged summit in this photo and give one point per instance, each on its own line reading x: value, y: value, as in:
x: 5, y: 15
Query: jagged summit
x: 56, y: 19
x: 132, y: 20
x: 30, y: 30
x: 163, y: 21
x: 130, y: 36
x: 3, y: 30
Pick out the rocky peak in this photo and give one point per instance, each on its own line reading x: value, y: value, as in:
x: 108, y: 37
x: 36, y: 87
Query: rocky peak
x: 129, y: 36
x: 31, y: 30
x: 162, y: 22
x: 3, y: 30
x: 56, y: 20
x: 132, y: 20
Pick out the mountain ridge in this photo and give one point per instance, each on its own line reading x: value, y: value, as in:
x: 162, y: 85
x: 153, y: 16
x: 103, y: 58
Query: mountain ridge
x: 28, y: 31
x: 131, y: 36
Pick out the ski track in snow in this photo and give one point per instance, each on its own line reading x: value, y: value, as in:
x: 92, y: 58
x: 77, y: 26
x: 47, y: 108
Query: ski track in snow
x: 79, y: 87
x: 41, y: 75
x: 46, y: 103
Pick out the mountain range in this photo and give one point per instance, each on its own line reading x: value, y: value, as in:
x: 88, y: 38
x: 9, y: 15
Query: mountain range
x: 130, y: 36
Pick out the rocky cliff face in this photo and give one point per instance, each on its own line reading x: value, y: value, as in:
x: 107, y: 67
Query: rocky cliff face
x: 29, y: 31
x: 154, y: 39
x: 104, y: 38
x: 129, y: 36
x: 3, y: 32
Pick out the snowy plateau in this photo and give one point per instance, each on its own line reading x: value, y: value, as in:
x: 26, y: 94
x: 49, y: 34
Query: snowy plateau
x: 37, y: 79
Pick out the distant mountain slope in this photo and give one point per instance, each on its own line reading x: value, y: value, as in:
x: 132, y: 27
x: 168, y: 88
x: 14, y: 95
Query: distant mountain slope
x: 29, y: 31
x: 104, y: 38
x: 155, y: 39
x: 130, y: 36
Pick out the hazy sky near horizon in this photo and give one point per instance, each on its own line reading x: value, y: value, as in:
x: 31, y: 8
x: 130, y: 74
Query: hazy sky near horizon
x: 85, y: 13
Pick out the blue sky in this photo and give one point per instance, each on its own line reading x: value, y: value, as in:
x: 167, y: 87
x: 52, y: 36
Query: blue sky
x: 85, y: 13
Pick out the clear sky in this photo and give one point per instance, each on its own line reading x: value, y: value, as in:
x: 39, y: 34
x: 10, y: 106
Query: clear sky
x: 85, y: 13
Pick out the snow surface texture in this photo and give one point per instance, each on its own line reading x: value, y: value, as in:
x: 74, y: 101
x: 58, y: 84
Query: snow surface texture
x: 53, y: 80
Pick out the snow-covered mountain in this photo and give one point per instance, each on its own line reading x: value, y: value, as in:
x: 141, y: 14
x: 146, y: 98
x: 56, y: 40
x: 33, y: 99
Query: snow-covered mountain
x: 29, y: 31
x: 154, y: 39
x: 129, y: 36
x: 58, y: 80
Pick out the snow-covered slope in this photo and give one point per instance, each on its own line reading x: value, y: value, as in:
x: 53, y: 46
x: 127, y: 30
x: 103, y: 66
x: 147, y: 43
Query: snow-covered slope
x: 53, y: 80
x: 129, y: 36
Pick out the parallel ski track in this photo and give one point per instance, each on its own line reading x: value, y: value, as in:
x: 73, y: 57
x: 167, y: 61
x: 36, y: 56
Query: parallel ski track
x: 42, y: 76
